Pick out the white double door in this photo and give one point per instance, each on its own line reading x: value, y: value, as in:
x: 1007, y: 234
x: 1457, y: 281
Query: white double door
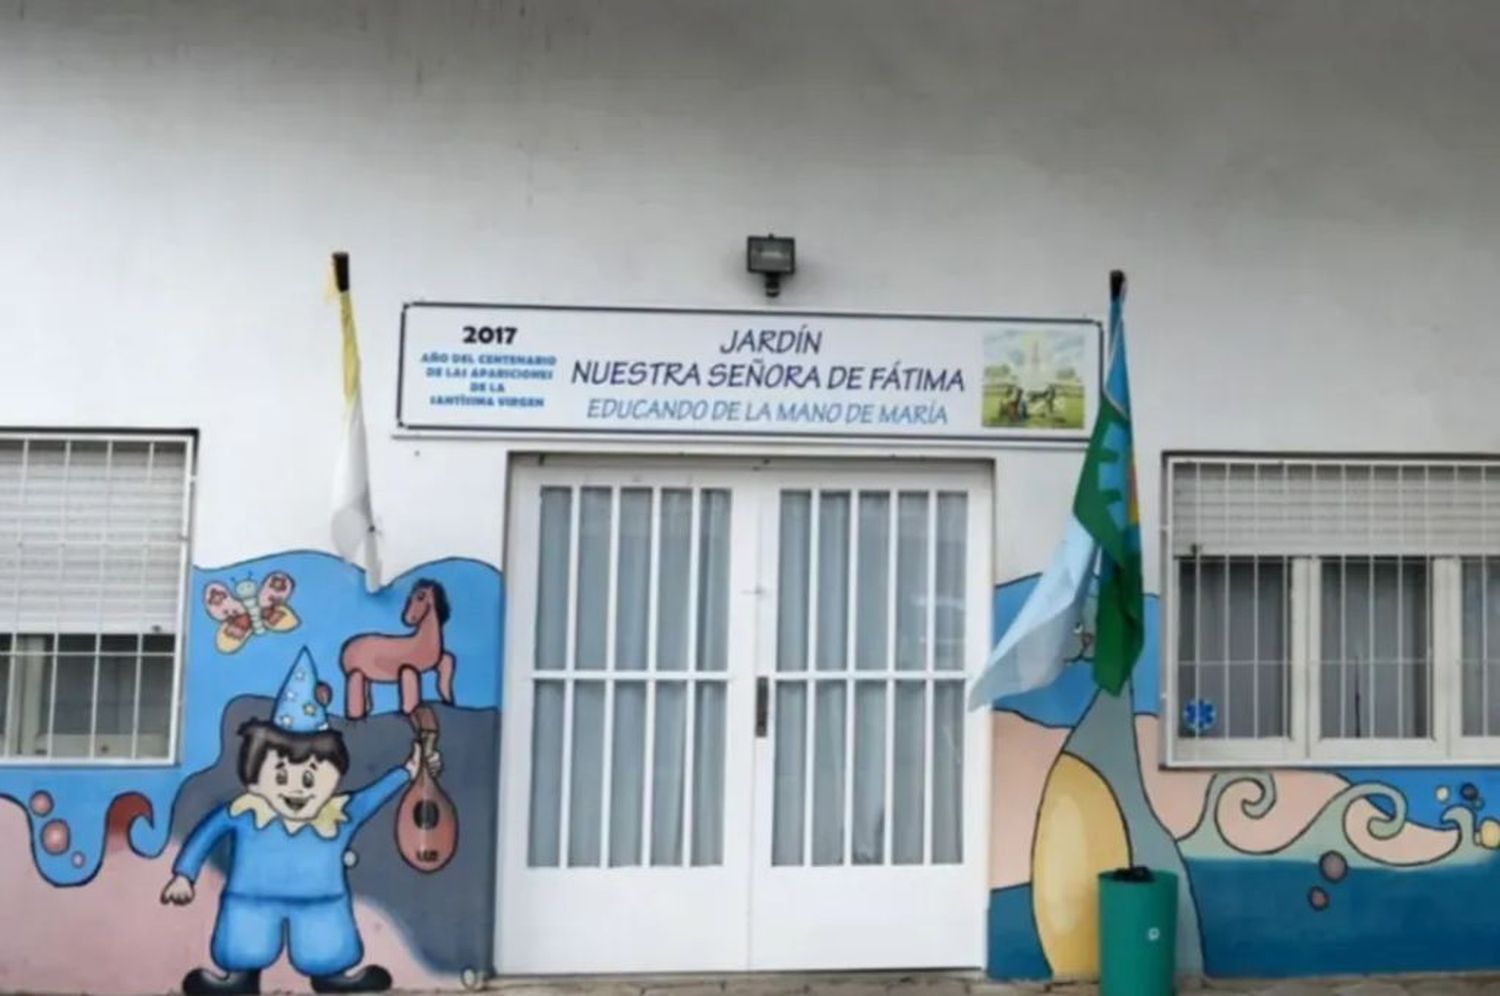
x: 734, y: 730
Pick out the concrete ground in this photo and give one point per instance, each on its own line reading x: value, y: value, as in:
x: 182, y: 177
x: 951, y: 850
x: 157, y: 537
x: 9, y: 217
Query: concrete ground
x: 898, y: 984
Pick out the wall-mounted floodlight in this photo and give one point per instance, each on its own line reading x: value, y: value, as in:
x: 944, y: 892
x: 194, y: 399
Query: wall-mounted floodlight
x: 773, y: 257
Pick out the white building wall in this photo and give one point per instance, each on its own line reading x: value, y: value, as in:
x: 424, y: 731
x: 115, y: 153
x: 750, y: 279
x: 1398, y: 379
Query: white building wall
x: 1306, y: 198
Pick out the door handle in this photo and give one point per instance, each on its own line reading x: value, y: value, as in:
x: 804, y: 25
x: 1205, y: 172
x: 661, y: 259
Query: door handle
x: 762, y: 706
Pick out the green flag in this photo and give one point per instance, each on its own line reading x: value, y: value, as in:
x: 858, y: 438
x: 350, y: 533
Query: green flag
x: 1105, y: 503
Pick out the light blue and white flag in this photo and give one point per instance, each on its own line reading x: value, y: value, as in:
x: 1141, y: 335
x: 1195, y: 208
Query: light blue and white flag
x: 1035, y: 646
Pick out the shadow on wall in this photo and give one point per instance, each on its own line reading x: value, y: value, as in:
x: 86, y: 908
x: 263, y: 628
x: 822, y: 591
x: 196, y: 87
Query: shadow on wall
x: 282, y: 643
x: 1284, y: 872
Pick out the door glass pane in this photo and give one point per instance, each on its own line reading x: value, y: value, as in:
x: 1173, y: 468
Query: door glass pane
x: 869, y: 773
x: 951, y: 561
x: 791, y: 772
x: 874, y: 789
x: 713, y: 582
x: 708, y: 774
x: 909, y: 777
x: 612, y: 761
x: 873, y: 584
x: 947, y: 772
x: 546, y: 775
x: 1374, y: 669
x: 627, y: 777
x: 554, y: 558
x: 594, y: 531
x: 668, y: 773
x: 586, y: 789
x: 911, y: 582
x: 833, y: 581
x: 674, y: 580
x: 792, y: 581
x: 633, y: 580
x: 828, y: 774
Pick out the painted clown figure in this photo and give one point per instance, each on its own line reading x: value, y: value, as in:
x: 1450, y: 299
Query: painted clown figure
x: 287, y: 881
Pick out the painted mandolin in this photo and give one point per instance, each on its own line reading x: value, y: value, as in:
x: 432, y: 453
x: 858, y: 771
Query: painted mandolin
x: 426, y: 819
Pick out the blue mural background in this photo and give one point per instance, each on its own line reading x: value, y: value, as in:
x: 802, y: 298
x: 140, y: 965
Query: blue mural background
x: 331, y: 601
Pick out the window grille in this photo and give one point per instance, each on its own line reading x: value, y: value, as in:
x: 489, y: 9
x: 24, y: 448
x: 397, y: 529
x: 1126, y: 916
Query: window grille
x: 1331, y: 609
x: 93, y: 557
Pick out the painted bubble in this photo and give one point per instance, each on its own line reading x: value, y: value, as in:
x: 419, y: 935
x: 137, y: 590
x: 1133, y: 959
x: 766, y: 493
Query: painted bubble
x: 350, y: 859
x: 1317, y: 899
x: 1489, y: 833
x: 55, y: 837
x: 78, y: 859
x: 1442, y: 793
x: 1469, y: 791
x: 1334, y: 866
x: 41, y: 803
x: 471, y: 978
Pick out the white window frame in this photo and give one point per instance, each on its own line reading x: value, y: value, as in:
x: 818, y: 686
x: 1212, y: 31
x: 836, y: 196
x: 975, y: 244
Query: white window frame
x: 1304, y: 746
x: 81, y: 747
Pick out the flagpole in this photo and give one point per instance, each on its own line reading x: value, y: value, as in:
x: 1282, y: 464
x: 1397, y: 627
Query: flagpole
x: 1116, y: 305
x: 354, y: 532
x: 1116, y: 300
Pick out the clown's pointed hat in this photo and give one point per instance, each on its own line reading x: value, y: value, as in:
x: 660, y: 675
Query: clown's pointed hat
x: 297, y: 707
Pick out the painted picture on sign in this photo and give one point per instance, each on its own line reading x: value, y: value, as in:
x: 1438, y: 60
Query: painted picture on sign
x: 1034, y: 380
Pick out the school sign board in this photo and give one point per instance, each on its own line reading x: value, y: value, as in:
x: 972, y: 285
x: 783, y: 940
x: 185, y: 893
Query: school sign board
x: 536, y: 370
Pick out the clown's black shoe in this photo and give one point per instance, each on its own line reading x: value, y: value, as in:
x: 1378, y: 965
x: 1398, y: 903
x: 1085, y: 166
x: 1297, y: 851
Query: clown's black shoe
x: 369, y: 979
x: 202, y: 982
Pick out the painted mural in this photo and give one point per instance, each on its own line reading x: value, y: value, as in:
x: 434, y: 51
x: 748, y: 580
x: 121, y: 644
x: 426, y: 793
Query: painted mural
x: 308, y: 836
x: 1282, y: 872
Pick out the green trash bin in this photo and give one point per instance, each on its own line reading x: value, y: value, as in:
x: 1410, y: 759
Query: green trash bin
x: 1137, y: 932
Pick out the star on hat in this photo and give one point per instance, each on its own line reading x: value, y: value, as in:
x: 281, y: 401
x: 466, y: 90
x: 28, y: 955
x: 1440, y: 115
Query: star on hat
x: 297, y: 707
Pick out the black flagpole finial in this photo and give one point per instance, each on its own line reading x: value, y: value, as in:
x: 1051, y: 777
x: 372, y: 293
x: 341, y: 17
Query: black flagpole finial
x: 1116, y: 284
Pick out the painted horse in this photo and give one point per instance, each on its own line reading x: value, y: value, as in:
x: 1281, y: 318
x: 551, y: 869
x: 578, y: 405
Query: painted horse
x: 382, y: 657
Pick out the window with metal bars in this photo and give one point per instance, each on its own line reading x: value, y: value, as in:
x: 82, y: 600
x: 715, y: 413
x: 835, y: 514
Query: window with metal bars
x: 93, y: 559
x: 1331, y: 609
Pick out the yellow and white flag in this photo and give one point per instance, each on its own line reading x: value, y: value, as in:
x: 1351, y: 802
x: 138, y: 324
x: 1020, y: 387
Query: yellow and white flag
x: 354, y: 535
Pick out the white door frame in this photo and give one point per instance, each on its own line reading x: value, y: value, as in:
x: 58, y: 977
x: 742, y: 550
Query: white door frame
x: 616, y: 469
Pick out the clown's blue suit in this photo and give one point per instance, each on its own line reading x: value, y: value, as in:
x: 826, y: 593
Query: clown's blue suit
x: 286, y: 881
